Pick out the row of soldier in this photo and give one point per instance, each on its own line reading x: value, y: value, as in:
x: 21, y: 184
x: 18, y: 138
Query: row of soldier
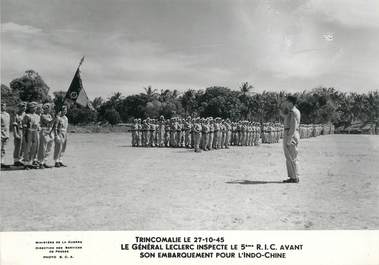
x: 314, y: 130
x: 202, y: 133
x: 212, y: 133
x: 35, y: 131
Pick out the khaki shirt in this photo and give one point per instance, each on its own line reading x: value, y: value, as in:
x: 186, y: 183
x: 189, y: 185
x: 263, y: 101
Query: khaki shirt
x: 5, y: 122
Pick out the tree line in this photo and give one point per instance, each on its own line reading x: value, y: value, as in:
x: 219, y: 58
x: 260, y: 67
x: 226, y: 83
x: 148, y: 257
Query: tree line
x: 318, y: 105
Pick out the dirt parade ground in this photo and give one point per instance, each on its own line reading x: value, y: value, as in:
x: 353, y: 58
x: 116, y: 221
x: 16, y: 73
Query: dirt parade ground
x: 109, y: 185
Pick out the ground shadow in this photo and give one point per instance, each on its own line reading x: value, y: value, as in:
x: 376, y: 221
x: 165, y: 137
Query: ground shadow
x: 253, y: 182
x: 13, y: 168
x: 16, y: 168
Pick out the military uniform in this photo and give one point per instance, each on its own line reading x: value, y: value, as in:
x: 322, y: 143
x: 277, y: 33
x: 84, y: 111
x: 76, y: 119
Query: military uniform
x: 197, y: 130
x: 134, y: 133
x: 211, y: 134
x: 46, y: 138
x: 291, y: 141
x: 60, y: 135
x: 204, y: 135
x: 5, y: 123
x: 19, y: 143
x: 161, y: 132
x: 31, y: 134
x: 167, y: 133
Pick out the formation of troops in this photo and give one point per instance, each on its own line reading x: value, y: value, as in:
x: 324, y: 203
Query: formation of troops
x: 314, y: 130
x: 205, y: 134
x: 35, y: 131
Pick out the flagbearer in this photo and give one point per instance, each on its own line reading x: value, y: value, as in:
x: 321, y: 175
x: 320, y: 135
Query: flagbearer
x: 60, y: 135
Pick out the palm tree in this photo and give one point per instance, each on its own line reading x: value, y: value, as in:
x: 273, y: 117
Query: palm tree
x: 245, y: 88
x: 150, y: 93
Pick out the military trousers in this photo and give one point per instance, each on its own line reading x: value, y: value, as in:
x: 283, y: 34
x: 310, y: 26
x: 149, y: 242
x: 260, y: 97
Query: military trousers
x: 60, y: 146
x: 197, y: 139
x: 187, y: 139
x: 19, y: 147
x: 31, y: 146
x: 204, y: 141
x: 4, y: 142
x: 290, y: 153
x: 45, y: 145
x: 210, y: 140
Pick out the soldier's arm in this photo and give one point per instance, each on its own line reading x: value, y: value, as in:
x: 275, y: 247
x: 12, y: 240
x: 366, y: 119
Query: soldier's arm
x: 15, y: 129
x: 293, y: 126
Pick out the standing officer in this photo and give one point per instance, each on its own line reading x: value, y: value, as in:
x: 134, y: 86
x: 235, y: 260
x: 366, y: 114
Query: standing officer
x: 211, y: 133
x: 60, y: 135
x: 167, y: 133
x: 30, y: 125
x: 5, y: 123
x: 205, y: 132
x: 291, y: 140
x: 134, y: 132
x: 197, y: 128
x: 161, y: 131
x: 187, y: 131
x: 19, y: 143
x: 45, y: 138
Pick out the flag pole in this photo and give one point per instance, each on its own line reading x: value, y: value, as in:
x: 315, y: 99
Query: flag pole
x: 80, y: 63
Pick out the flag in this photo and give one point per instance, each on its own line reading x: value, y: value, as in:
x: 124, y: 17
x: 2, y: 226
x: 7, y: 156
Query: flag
x: 76, y: 92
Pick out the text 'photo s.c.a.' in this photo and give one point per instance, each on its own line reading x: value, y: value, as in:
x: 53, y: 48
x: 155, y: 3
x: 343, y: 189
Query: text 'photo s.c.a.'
x: 188, y: 116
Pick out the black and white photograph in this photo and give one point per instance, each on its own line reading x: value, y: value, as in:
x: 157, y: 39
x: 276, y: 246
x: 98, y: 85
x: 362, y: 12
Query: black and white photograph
x: 166, y: 115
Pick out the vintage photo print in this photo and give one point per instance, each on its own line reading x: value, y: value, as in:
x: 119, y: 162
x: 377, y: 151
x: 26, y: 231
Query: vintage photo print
x: 253, y: 119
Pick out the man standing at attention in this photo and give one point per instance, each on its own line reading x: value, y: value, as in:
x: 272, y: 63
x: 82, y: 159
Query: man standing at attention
x: 19, y: 143
x: 5, y: 120
x: 60, y: 133
x: 291, y: 139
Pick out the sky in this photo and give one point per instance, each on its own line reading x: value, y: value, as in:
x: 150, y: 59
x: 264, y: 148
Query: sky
x: 288, y: 45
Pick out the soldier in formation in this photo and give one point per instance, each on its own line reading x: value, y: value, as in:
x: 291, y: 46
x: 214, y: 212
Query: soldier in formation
x: 205, y: 134
x: 201, y: 134
x: 35, y: 131
x: 314, y: 130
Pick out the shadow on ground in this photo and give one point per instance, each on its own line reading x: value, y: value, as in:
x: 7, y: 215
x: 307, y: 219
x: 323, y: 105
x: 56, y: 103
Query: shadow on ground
x: 253, y: 182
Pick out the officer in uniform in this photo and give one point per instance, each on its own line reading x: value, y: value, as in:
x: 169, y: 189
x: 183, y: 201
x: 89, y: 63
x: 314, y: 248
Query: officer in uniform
x: 19, y: 143
x: 197, y: 129
x: 167, y: 133
x: 228, y: 127
x: 60, y: 136
x: 31, y: 136
x: 291, y: 140
x: 5, y: 123
x: 46, y: 137
x: 134, y: 133
x: 38, y: 116
x: 173, y: 132
x: 187, y: 132
x: 161, y: 131
x: 204, y: 136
